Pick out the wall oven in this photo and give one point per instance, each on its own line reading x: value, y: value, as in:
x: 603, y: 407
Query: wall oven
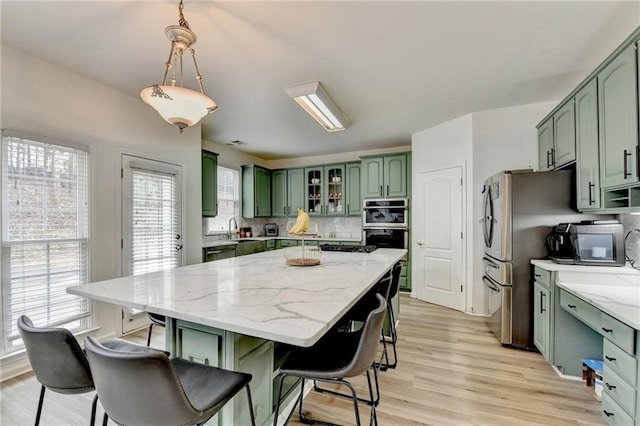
x: 385, y: 213
x: 386, y: 237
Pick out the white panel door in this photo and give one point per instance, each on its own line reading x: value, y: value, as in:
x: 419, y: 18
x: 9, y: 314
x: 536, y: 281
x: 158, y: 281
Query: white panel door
x: 437, y: 226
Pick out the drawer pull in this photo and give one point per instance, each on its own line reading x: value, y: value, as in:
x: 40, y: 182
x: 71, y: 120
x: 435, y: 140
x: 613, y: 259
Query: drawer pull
x: 608, y: 414
x: 537, y: 275
x: 572, y: 306
x: 609, y: 358
x: 607, y: 330
x: 610, y: 386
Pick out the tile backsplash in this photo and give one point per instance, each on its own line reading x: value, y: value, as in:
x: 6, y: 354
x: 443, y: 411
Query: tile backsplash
x: 631, y: 222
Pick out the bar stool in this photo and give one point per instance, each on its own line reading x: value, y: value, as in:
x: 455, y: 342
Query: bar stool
x: 156, y: 319
x: 143, y: 386
x: 335, y: 358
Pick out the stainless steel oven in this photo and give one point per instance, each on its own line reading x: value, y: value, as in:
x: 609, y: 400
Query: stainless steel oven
x: 386, y: 237
x: 385, y: 213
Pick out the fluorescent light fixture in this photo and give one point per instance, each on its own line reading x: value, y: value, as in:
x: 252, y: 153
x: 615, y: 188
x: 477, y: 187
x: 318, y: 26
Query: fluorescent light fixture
x: 317, y: 102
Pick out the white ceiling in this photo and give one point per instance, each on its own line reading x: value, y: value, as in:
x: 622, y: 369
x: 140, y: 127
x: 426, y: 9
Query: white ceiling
x: 393, y: 67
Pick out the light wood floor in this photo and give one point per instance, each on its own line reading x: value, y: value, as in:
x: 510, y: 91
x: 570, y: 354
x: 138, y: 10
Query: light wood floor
x: 452, y: 371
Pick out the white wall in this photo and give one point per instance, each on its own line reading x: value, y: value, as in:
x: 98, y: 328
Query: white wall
x: 485, y: 142
x: 41, y: 99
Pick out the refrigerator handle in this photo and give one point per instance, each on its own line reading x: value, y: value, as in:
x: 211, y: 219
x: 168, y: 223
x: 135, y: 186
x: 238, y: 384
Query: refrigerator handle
x: 487, y: 282
x: 490, y: 263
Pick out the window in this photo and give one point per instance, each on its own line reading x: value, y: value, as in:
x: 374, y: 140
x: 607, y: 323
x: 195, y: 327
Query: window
x: 228, y: 200
x: 45, y: 215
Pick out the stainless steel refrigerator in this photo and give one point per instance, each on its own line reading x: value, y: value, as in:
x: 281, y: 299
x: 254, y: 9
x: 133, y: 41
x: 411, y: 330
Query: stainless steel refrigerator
x: 520, y: 209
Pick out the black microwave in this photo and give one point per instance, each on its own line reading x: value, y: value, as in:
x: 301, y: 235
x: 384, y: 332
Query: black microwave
x: 590, y: 242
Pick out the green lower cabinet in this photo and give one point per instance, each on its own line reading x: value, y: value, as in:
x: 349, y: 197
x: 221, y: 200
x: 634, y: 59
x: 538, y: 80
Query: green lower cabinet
x: 286, y: 243
x: 541, y: 314
x: 231, y: 351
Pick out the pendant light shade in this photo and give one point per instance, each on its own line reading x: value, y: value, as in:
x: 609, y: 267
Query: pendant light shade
x: 177, y: 105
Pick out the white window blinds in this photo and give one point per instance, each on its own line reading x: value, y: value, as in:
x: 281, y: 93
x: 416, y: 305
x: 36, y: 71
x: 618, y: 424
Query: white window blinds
x: 154, y: 220
x: 228, y: 200
x: 45, y: 215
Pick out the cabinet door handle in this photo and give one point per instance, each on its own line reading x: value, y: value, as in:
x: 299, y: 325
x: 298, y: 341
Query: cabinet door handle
x: 610, y: 386
x: 548, y: 161
x: 609, y: 358
x: 626, y: 168
x: 572, y: 306
x: 542, y: 309
x: 537, y: 275
x: 607, y: 330
x: 608, y: 414
x: 348, y: 208
x: 638, y: 161
x: 553, y: 157
x: 591, y: 200
x: 381, y: 194
x: 387, y: 190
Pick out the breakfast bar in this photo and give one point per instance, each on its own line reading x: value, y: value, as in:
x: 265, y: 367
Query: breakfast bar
x: 239, y: 313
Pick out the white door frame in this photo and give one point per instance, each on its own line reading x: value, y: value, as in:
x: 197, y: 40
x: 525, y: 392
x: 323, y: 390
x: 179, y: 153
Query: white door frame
x: 467, y: 291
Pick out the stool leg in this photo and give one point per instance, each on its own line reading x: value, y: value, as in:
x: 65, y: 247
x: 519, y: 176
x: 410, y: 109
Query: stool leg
x: 253, y: 418
x: 42, y: 390
x: 275, y: 417
x: 149, y: 335
x: 105, y: 419
x: 93, y: 410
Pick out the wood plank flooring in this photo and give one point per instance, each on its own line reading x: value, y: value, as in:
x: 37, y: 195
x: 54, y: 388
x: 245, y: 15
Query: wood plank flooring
x: 452, y: 371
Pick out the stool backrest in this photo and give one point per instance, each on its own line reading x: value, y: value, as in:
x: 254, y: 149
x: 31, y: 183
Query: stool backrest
x: 56, y: 358
x: 395, y: 279
x: 369, y: 341
x: 139, y: 387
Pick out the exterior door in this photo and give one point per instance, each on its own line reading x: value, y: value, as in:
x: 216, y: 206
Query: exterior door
x: 437, y: 257
x: 151, y: 223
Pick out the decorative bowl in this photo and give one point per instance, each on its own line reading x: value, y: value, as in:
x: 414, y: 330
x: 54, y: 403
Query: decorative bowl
x: 315, y: 180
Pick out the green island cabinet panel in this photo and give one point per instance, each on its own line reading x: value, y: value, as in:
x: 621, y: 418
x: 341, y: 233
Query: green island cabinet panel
x: 545, y: 146
x: 279, y: 193
x: 618, y: 120
x: 564, y: 135
x: 209, y: 184
x: 587, y: 164
x: 384, y: 176
x: 353, y: 189
x: 256, y: 191
x: 295, y: 191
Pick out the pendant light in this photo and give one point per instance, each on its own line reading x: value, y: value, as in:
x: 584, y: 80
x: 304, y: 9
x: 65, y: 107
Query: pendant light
x: 176, y: 104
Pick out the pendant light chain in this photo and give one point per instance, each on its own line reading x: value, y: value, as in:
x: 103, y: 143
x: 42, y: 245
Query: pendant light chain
x: 183, y: 22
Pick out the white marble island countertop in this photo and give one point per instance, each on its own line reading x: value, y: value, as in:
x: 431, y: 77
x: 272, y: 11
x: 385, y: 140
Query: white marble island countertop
x: 256, y: 295
x: 617, y: 294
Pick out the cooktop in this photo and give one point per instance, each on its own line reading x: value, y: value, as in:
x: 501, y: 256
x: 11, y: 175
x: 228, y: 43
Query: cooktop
x: 347, y: 248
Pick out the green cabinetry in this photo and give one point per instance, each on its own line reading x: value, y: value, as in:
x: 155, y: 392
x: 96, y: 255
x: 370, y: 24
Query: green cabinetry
x: 560, y: 337
x: 209, y: 174
x: 557, y: 140
x: 384, y: 176
x: 256, y: 191
x: 618, y: 114
x: 588, y: 167
x: 353, y: 196
x: 287, y: 192
x: 325, y: 190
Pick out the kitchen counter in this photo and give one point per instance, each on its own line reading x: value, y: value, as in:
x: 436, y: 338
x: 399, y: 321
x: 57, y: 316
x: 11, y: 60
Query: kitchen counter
x: 256, y: 295
x: 614, y: 290
x: 209, y: 242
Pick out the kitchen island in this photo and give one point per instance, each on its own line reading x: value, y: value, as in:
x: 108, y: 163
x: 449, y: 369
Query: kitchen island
x: 236, y: 313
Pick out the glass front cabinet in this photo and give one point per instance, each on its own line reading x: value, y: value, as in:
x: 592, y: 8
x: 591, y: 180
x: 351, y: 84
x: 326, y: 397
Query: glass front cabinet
x: 325, y: 190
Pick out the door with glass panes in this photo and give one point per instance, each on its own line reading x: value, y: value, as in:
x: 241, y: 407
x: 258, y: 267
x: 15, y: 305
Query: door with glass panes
x: 151, y: 223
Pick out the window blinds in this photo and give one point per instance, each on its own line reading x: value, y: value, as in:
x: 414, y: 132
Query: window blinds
x: 155, y: 232
x: 45, y: 229
x: 228, y: 199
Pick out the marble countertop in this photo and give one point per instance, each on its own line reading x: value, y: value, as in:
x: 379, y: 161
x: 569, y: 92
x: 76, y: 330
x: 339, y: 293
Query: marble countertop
x: 256, y: 295
x: 614, y: 290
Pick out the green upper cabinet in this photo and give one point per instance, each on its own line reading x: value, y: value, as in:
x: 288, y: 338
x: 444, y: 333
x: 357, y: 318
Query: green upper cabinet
x: 295, y: 191
x: 384, y: 176
x: 334, y: 190
x: 564, y: 135
x: 353, y: 187
x: 287, y: 192
x: 256, y: 191
x: 587, y: 170
x: 557, y: 139
x: 209, y: 184
x: 314, y: 183
x: 279, y: 193
x: 545, y: 145
x: 618, y: 120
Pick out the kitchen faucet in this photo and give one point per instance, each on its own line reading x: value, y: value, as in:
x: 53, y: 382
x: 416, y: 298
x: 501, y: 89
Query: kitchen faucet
x: 233, y: 219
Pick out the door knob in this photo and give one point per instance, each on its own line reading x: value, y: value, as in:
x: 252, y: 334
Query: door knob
x: 420, y: 243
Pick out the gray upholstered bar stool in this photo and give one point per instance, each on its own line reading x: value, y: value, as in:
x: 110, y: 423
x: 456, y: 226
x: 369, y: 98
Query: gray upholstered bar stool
x: 57, y: 361
x: 145, y: 387
x: 337, y: 357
